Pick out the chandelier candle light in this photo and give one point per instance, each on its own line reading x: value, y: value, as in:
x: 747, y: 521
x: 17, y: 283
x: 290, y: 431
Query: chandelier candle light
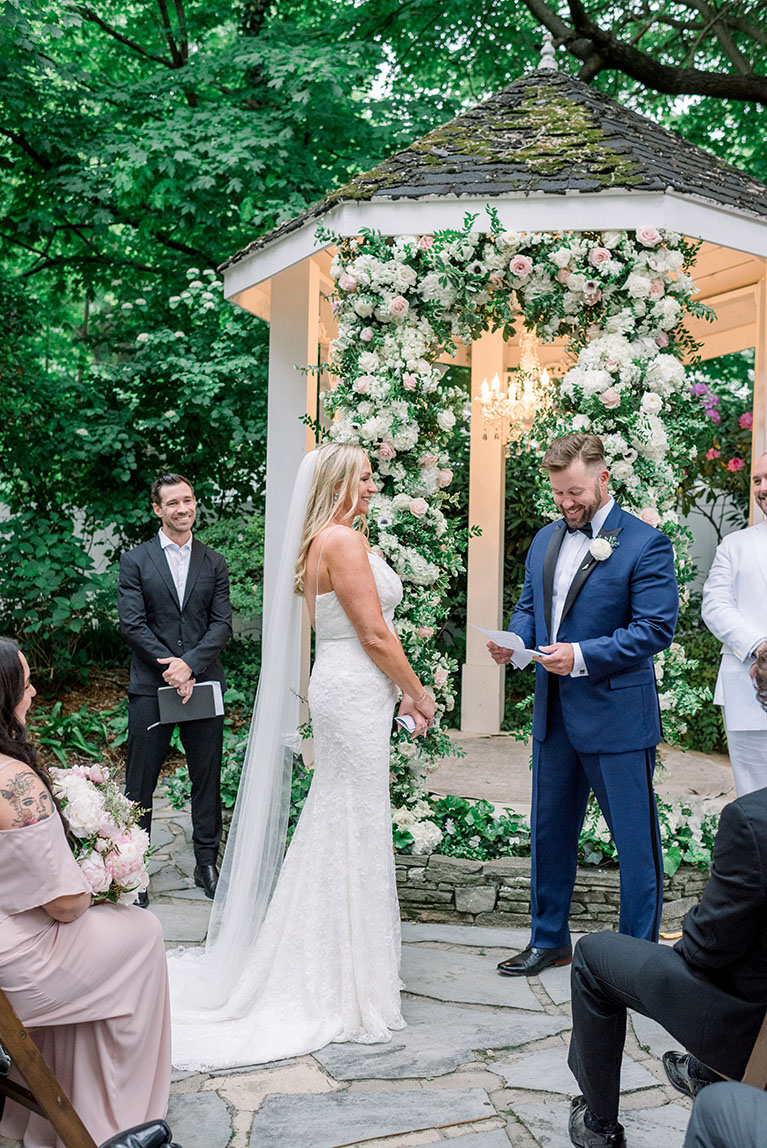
x: 512, y: 414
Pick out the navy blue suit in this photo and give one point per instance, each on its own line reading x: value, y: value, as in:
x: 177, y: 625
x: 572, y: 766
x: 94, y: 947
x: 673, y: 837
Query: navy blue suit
x: 598, y: 731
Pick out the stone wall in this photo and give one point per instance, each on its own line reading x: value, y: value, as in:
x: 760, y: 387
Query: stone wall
x: 457, y: 890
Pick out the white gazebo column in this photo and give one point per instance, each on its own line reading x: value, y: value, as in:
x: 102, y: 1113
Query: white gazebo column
x: 759, y: 430
x: 293, y: 343
x: 482, y: 692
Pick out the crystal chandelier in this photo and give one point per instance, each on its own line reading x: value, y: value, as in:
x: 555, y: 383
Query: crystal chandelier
x: 510, y: 410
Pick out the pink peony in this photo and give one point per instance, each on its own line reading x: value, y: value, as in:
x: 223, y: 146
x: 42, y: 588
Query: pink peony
x: 347, y: 282
x: 598, y: 255
x: 95, y: 873
x: 445, y: 477
x: 735, y: 464
x: 425, y: 242
x: 662, y: 339
x: 521, y: 266
x: 386, y: 451
x: 611, y: 398
x: 366, y: 334
x: 648, y: 236
x: 126, y: 862
x: 425, y: 631
x: 409, y: 381
x: 440, y: 677
x: 649, y: 515
x: 746, y: 420
x: 418, y: 507
x: 712, y: 453
x: 399, y: 307
x: 563, y: 275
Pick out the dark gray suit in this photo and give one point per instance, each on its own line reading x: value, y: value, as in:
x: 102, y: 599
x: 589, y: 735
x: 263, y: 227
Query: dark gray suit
x: 709, y: 991
x: 155, y: 625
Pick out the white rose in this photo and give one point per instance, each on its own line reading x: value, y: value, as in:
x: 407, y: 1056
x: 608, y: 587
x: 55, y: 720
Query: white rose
x: 581, y: 423
x: 611, y: 239
x: 651, y: 403
x: 638, y: 286
x: 446, y: 420
x: 600, y: 549
x: 561, y: 257
x: 621, y: 470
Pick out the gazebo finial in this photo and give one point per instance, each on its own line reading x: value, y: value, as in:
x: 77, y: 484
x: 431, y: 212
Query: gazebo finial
x: 548, y: 54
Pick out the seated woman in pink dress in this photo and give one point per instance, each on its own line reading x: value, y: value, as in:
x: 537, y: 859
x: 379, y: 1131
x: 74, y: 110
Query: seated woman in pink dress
x: 89, y: 980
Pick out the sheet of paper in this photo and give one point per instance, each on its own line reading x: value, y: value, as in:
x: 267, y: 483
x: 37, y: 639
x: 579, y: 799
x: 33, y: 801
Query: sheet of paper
x: 521, y: 656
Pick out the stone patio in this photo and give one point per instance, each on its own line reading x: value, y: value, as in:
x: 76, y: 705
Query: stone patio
x: 483, y: 1060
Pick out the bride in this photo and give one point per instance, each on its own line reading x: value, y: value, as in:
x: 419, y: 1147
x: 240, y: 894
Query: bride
x: 312, y: 956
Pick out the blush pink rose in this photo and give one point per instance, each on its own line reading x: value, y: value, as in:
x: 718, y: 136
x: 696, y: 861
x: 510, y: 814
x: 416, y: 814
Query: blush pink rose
x: 409, y: 381
x: 563, y: 275
x: 399, y: 307
x: 347, y: 282
x: 656, y: 290
x: 361, y: 385
x: 648, y: 236
x: 662, y: 339
x: 598, y: 255
x: 445, y: 477
x: 440, y: 677
x: 426, y: 461
x: 425, y: 242
x: 366, y: 334
x: 425, y: 631
x: 386, y: 451
x: 611, y: 398
x: 418, y: 507
x: 521, y: 266
x: 649, y: 515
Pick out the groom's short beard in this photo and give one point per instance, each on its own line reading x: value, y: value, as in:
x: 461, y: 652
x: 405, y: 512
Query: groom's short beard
x: 589, y: 511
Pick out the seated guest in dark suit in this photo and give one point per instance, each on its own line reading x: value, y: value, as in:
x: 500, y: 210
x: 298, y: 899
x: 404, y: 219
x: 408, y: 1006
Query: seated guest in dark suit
x: 709, y: 990
x: 175, y: 614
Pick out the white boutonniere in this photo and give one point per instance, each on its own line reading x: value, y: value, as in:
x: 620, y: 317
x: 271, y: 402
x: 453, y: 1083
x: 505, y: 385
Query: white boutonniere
x: 600, y: 549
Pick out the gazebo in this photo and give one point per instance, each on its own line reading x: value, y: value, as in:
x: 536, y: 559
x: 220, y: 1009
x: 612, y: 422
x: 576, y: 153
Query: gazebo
x: 550, y: 154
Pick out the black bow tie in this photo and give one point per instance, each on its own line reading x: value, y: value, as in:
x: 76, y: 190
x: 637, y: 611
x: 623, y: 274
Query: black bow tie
x: 582, y: 529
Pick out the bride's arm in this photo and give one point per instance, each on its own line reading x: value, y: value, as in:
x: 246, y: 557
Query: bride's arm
x: 352, y: 579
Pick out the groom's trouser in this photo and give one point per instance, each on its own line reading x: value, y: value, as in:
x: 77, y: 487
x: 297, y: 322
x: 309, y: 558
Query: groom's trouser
x: 611, y: 974
x: 622, y: 783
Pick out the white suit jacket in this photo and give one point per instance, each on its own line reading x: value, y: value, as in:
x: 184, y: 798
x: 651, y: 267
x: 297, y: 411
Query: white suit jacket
x: 735, y: 611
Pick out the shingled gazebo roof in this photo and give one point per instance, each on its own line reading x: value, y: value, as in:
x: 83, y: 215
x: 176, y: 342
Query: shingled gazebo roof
x: 547, y: 134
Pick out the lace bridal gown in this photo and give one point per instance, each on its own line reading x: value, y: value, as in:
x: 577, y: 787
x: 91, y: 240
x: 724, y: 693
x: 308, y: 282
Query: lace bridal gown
x: 325, y: 966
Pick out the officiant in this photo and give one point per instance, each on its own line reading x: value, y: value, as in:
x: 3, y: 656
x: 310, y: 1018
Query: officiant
x: 175, y: 614
x: 600, y: 599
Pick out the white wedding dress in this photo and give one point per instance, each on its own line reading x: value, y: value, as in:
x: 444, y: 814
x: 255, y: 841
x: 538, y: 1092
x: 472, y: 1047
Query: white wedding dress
x: 325, y: 966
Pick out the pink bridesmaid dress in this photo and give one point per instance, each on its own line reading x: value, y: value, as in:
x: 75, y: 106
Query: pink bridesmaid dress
x: 94, y: 991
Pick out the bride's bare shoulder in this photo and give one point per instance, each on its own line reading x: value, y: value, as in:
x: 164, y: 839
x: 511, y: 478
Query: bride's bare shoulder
x: 343, y: 541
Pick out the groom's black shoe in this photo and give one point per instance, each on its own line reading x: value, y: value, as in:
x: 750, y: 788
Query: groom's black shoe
x: 686, y: 1073
x: 532, y: 961
x: 206, y: 877
x: 588, y: 1131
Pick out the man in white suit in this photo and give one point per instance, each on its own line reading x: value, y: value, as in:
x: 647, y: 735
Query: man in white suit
x: 735, y: 611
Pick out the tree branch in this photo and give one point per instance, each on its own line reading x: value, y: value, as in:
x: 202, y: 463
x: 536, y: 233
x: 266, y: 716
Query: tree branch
x: 94, y: 18
x: 22, y: 142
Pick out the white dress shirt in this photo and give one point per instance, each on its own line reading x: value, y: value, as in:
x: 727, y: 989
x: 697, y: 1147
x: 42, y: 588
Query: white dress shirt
x: 178, y: 558
x: 572, y: 555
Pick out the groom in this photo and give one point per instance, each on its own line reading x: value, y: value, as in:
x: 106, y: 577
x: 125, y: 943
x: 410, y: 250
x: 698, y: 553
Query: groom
x: 600, y: 598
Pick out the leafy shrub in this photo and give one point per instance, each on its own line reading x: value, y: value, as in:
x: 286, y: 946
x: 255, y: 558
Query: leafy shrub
x: 241, y: 541
x: 705, y: 729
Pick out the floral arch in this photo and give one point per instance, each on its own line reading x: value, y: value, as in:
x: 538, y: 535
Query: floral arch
x: 618, y: 298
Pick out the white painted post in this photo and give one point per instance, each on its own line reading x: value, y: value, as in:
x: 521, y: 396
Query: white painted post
x: 759, y: 429
x: 293, y: 343
x: 482, y: 693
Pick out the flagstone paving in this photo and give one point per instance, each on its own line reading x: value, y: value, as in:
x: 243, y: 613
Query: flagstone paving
x: 482, y: 1062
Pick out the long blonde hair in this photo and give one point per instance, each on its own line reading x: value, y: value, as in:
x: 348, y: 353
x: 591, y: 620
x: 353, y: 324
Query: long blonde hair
x: 335, y: 484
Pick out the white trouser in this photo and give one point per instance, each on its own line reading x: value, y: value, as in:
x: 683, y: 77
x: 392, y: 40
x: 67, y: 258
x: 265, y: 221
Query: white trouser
x: 748, y: 755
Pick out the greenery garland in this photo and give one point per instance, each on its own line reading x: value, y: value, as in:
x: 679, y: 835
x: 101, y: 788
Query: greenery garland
x: 618, y: 297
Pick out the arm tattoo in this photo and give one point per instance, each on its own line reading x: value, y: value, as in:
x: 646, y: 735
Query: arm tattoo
x: 29, y: 801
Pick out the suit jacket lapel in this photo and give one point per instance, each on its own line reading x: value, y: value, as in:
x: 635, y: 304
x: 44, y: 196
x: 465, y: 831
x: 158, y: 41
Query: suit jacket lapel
x: 584, y: 571
x: 195, y: 564
x: 549, y: 565
x: 161, y: 562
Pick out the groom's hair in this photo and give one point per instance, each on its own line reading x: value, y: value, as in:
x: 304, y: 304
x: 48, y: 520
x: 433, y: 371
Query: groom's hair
x: 166, y: 479
x: 564, y: 451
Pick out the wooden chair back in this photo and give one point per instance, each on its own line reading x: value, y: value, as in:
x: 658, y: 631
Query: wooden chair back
x: 756, y: 1069
x: 43, y: 1094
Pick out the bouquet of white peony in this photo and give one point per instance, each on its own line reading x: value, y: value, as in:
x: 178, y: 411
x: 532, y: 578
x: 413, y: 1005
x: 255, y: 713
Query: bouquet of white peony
x: 110, y: 848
